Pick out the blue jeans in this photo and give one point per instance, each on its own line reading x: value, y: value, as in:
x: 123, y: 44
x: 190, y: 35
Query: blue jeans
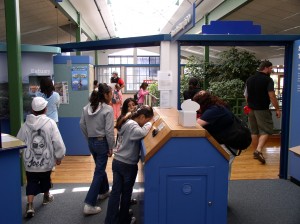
x: 123, y: 180
x: 99, y: 185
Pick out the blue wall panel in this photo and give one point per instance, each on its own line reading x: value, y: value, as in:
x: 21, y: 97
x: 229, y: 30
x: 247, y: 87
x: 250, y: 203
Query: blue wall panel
x: 74, y: 140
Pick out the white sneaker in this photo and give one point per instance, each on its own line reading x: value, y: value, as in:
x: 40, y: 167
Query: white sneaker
x: 91, y: 210
x: 103, y: 196
x: 133, y: 220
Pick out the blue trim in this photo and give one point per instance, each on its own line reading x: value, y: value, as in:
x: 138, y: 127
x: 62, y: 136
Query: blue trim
x: 180, y: 25
x: 61, y: 59
x: 179, y: 78
x: 129, y: 65
x: 236, y: 40
x: 116, y: 43
x: 285, y: 122
x: 231, y: 27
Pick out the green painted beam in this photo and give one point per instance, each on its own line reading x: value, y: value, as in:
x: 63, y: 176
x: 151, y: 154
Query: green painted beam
x: 70, y: 12
x: 78, y: 32
x: 34, y: 49
x: 218, y: 13
x: 15, y: 90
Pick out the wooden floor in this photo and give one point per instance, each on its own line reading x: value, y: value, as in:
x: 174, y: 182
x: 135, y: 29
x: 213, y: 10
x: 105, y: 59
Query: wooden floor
x: 79, y: 169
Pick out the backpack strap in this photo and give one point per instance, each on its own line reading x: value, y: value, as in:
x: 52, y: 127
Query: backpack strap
x: 235, y: 152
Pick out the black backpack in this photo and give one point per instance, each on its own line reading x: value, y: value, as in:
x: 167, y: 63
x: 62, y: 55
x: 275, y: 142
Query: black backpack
x: 136, y: 96
x: 236, y: 137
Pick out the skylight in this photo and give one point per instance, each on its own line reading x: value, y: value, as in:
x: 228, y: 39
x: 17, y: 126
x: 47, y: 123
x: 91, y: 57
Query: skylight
x: 141, y: 17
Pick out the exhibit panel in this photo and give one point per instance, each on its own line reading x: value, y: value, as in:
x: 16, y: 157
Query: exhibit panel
x: 10, y: 172
x: 185, y: 173
x: 72, y: 81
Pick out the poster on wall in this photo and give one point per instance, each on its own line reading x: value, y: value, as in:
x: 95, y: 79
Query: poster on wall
x: 79, y: 78
x: 62, y: 89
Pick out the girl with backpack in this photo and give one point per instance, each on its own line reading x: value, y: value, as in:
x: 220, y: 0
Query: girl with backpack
x: 117, y: 101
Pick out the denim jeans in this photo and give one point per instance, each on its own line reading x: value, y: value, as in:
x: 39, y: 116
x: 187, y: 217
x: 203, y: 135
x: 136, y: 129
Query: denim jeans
x: 99, y: 185
x: 123, y: 180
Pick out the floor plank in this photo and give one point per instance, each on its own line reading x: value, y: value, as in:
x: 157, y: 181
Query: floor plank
x: 79, y: 169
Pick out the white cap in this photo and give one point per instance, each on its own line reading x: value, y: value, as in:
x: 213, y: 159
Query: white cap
x: 38, y: 103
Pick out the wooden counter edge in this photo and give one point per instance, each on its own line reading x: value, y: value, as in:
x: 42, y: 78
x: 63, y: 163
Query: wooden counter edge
x: 295, y: 149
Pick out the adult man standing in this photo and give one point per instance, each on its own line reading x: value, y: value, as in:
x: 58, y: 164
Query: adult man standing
x: 259, y: 93
x: 116, y: 79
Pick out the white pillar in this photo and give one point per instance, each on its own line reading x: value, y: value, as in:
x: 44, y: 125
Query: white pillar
x: 169, y: 62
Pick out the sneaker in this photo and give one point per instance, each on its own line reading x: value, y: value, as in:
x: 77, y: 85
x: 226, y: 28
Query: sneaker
x: 133, y: 220
x: 91, y: 210
x: 47, y: 199
x: 29, y: 210
x: 103, y: 196
x: 130, y: 212
x: 258, y: 155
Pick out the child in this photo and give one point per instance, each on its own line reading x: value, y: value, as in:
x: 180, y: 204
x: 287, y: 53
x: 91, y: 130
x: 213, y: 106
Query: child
x: 117, y: 101
x: 129, y: 105
x: 132, y: 128
x: 142, y: 93
x: 97, y: 125
x: 45, y: 148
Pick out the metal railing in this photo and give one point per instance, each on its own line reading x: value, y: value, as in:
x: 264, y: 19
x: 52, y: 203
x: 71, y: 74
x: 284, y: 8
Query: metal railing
x: 151, y: 100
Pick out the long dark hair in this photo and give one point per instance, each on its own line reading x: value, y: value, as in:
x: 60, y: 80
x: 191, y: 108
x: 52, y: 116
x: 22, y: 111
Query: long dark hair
x: 124, y: 109
x: 46, y: 86
x: 205, y: 99
x: 98, y: 96
x: 103, y: 89
x: 145, y: 110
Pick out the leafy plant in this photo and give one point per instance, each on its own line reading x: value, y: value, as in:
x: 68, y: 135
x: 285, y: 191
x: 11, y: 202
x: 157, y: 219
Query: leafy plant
x: 231, y: 89
x: 153, y: 89
x: 236, y: 64
x: 226, y: 77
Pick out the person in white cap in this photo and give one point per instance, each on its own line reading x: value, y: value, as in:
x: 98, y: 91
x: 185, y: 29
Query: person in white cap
x: 45, y: 148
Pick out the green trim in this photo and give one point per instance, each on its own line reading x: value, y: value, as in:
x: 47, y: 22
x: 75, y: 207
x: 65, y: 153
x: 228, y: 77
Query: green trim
x: 34, y: 49
x: 218, y: 13
x: 70, y: 12
x: 12, y: 17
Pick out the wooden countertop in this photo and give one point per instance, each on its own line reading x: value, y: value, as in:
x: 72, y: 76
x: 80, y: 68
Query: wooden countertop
x: 295, y: 149
x: 10, y: 142
x: 167, y: 124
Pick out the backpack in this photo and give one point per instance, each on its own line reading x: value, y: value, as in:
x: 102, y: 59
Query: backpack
x: 136, y: 96
x: 236, y: 136
x: 115, y: 97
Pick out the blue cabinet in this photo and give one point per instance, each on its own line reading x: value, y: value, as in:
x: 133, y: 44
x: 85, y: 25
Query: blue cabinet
x: 185, y: 174
x: 10, y: 173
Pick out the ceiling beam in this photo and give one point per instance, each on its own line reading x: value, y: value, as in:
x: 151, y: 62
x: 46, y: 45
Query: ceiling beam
x: 70, y: 12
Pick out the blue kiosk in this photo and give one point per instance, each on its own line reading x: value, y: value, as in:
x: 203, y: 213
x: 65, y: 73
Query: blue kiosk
x: 185, y: 174
x: 10, y: 172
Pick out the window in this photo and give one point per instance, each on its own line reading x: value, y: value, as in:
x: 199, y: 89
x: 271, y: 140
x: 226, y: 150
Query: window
x: 133, y: 75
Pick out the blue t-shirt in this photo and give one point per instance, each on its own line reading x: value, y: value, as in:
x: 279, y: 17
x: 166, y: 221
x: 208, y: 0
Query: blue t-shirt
x: 52, y: 106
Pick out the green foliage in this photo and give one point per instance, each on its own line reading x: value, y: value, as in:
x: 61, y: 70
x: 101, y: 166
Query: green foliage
x: 236, y: 64
x: 225, y: 78
x: 231, y: 89
x: 199, y: 69
x: 153, y: 89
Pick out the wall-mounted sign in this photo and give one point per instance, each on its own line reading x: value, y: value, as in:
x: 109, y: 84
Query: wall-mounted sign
x: 184, y: 24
